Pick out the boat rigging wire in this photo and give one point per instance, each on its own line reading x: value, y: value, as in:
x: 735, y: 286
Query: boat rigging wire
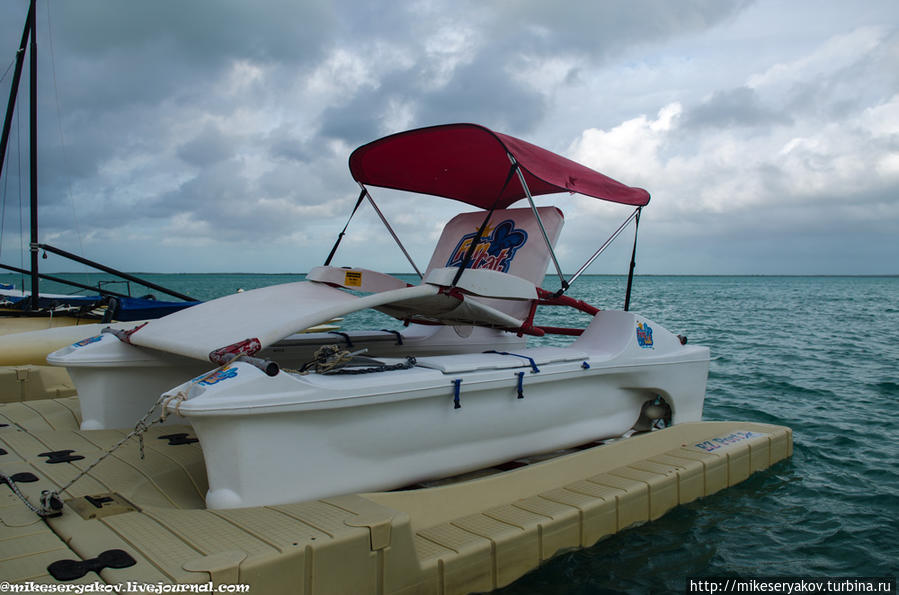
x: 21, y: 199
x: 62, y: 140
x: 3, y: 195
x: 8, y: 68
x: 605, y: 245
x: 390, y: 229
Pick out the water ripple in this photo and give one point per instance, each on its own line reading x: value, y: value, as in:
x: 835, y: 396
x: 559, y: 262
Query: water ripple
x: 816, y: 354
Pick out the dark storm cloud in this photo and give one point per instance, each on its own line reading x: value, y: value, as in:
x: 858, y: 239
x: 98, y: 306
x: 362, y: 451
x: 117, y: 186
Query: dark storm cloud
x: 283, y: 144
x: 220, y: 203
x: 482, y: 92
x: 203, y: 32
x: 485, y: 91
x: 132, y: 74
x: 356, y: 122
x: 114, y: 54
x: 228, y: 121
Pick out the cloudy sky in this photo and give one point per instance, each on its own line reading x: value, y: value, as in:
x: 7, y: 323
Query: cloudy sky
x: 209, y: 136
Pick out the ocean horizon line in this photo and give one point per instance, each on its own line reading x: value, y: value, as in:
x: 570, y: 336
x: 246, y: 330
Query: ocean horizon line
x: 548, y: 276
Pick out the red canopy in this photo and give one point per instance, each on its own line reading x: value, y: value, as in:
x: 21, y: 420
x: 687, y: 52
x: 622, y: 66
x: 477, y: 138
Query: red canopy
x: 469, y: 163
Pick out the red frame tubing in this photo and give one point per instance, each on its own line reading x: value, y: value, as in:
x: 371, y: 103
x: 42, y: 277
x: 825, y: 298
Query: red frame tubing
x: 548, y: 298
x: 223, y: 355
x: 561, y: 330
x: 544, y: 298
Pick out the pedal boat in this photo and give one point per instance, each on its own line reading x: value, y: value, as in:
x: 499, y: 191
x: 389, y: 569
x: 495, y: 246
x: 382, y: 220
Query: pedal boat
x: 272, y: 435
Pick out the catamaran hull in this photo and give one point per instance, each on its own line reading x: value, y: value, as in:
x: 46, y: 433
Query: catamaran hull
x: 276, y: 440
x: 283, y: 457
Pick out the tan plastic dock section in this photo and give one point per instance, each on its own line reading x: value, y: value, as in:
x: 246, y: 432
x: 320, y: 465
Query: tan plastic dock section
x: 459, y: 538
x: 28, y: 383
x: 23, y: 373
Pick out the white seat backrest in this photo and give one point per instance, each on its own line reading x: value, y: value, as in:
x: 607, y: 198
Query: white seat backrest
x: 512, y: 242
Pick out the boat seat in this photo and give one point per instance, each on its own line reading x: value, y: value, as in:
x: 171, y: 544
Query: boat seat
x: 485, y: 283
x: 483, y: 300
x: 511, y: 242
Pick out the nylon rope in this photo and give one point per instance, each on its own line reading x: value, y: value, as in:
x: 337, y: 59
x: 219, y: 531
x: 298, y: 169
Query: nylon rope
x: 51, y: 505
x: 8, y: 480
x: 330, y: 359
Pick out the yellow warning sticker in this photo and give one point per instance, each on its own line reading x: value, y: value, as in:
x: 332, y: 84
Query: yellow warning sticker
x: 353, y: 279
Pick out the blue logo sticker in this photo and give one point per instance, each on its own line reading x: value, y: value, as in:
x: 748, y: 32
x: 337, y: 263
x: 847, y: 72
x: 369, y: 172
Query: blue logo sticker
x: 494, y: 251
x: 219, y: 376
x: 87, y: 341
x: 644, y: 335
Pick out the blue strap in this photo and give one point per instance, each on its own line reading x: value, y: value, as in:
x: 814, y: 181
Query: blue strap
x: 534, y: 367
x: 345, y: 336
x: 457, y: 403
x: 521, y: 385
x: 399, y: 337
x: 585, y: 365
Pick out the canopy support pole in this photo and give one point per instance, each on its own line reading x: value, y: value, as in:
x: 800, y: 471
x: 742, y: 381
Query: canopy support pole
x: 390, y: 229
x: 630, y: 274
x: 342, y: 233
x: 549, y: 246
x: 605, y: 245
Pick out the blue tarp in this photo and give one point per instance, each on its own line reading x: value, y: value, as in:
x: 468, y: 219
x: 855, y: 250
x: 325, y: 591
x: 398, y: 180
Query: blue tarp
x: 123, y: 308
x: 127, y: 309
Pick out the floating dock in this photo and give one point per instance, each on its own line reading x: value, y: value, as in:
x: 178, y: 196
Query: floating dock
x: 144, y: 520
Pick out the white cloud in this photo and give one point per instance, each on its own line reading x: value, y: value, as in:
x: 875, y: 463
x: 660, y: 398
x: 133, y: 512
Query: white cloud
x: 630, y: 150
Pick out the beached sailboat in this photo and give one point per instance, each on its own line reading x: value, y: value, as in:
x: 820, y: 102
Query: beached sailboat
x: 455, y: 411
x: 106, y: 305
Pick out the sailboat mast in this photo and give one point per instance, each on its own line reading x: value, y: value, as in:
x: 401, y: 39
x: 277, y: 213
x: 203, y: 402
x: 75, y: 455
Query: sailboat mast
x: 33, y: 119
x: 14, y: 90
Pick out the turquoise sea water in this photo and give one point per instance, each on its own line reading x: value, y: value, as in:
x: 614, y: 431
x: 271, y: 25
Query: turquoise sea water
x: 818, y: 354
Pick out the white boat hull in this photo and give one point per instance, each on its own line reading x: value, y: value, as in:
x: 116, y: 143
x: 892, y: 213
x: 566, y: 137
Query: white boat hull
x: 271, y: 440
